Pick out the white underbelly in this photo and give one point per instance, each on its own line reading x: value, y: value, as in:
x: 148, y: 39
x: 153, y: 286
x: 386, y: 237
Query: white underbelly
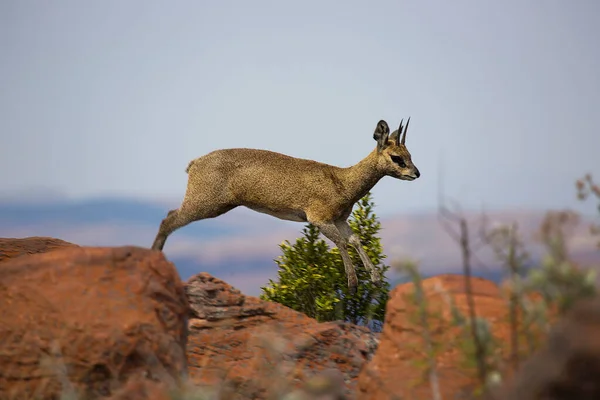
x: 288, y: 215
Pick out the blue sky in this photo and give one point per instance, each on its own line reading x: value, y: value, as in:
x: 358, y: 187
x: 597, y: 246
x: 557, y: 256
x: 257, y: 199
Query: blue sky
x: 113, y: 98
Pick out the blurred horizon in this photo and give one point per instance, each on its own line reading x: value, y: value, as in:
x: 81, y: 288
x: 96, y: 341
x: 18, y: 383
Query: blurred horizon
x: 240, y: 247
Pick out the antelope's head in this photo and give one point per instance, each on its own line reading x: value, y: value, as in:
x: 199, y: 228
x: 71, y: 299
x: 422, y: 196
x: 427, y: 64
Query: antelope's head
x: 394, y: 158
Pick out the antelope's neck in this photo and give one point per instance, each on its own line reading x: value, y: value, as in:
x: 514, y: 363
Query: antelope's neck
x: 361, y: 177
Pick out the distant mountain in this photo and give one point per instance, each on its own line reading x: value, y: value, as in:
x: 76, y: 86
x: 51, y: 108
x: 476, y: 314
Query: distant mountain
x: 98, y: 211
x: 240, y: 246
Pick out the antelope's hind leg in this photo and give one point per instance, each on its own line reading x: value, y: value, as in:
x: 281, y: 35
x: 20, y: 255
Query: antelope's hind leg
x: 186, y: 214
x: 170, y: 224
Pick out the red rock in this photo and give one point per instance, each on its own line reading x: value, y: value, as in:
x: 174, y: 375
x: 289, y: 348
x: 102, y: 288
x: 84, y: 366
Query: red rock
x: 252, y: 348
x: 88, y: 319
x: 11, y: 248
x: 393, y: 370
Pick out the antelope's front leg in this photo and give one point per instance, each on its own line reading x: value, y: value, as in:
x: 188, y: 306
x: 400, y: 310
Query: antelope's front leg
x: 331, y: 232
x: 354, y: 240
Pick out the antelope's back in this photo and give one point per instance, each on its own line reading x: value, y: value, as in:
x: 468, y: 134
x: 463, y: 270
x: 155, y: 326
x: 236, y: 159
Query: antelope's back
x: 264, y: 177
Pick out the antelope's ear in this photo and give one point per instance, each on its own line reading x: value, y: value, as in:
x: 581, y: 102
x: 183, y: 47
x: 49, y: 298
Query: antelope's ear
x: 381, y: 134
x: 395, y: 137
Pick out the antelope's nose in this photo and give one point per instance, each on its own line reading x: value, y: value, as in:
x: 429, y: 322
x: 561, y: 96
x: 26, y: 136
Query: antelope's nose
x: 417, y: 173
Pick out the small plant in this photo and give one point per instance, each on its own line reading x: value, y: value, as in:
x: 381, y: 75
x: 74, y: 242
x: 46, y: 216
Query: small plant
x: 559, y: 280
x: 509, y: 249
x: 463, y: 239
x: 586, y: 188
x: 489, y: 353
x: 423, y: 319
x: 307, y: 277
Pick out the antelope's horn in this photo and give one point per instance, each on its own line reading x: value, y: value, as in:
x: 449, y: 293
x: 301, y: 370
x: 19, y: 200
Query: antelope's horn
x: 397, y: 137
x: 405, y: 129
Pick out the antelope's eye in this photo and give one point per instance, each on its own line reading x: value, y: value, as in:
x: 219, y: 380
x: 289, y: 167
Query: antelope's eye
x: 398, y: 160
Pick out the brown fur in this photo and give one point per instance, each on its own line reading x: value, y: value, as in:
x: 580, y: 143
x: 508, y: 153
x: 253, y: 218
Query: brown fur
x: 289, y: 188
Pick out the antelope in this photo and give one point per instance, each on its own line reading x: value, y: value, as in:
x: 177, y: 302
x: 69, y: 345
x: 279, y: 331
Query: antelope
x: 292, y: 189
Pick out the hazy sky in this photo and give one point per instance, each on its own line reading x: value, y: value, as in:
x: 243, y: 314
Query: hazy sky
x: 115, y: 97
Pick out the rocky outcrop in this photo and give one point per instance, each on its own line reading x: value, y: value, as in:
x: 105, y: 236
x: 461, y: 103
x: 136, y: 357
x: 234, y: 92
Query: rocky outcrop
x: 118, y: 324
x: 11, y: 248
x: 112, y: 323
x: 91, y: 321
x: 397, y: 368
x: 252, y: 349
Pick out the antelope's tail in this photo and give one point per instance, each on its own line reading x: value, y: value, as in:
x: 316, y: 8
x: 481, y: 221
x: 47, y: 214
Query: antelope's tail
x: 187, y: 169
